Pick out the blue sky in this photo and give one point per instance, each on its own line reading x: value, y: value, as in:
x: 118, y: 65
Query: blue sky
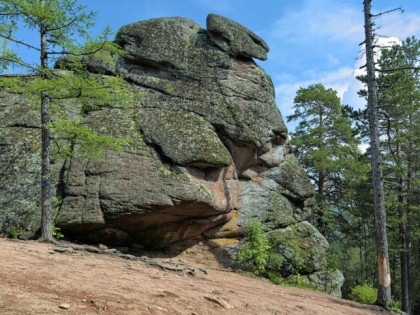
x: 310, y: 40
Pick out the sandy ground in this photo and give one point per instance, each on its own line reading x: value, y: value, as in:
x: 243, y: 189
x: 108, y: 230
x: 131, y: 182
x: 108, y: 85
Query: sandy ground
x: 34, y: 279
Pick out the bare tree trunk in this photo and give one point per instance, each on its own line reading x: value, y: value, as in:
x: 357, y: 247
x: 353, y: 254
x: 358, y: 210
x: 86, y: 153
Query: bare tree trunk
x: 381, y: 240
x: 46, y: 200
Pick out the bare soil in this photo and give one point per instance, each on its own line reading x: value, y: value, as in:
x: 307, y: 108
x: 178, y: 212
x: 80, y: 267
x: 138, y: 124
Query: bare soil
x: 35, y: 279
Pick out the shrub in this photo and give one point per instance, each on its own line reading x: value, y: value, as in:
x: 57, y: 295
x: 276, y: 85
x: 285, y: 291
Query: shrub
x: 56, y: 232
x: 255, y: 250
x: 13, y: 232
x: 395, y: 306
x: 365, y: 294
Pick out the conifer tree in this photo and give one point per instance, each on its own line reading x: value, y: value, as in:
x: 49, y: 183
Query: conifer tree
x: 398, y: 119
x: 59, y: 28
x: 399, y: 104
x: 324, y: 143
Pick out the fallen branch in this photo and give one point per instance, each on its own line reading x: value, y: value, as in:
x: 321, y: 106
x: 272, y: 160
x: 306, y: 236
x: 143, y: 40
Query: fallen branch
x: 113, y: 252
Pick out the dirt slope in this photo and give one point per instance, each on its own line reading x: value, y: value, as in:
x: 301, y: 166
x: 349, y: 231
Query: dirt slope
x: 34, y: 279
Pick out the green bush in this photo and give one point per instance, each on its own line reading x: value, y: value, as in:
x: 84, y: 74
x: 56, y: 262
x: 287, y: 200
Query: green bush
x: 395, y: 306
x: 56, y: 232
x: 255, y: 251
x: 274, y: 277
x: 13, y: 232
x: 365, y: 294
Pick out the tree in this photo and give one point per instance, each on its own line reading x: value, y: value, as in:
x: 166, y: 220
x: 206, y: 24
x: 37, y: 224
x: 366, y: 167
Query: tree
x: 60, y: 25
x: 254, y: 252
x: 381, y: 239
x: 398, y: 114
x: 399, y: 103
x: 324, y: 144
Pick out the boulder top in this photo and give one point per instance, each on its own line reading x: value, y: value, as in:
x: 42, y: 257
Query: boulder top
x: 234, y: 38
x: 226, y: 34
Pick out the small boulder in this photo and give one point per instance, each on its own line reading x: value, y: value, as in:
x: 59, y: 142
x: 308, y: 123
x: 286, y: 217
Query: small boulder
x: 235, y: 39
x: 300, y: 249
x: 64, y: 306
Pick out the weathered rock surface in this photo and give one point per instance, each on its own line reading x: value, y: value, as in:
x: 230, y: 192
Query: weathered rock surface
x: 329, y: 281
x: 208, y: 151
x: 235, y: 39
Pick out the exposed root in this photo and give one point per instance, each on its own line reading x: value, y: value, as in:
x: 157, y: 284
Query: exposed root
x: 169, y: 265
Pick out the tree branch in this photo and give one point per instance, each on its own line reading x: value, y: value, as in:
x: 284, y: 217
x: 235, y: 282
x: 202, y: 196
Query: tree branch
x: 20, y: 63
x: 397, y: 69
x: 63, y: 26
x: 19, y: 42
x: 389, y: 11
x: 64, y: 52
x: 18, y: 75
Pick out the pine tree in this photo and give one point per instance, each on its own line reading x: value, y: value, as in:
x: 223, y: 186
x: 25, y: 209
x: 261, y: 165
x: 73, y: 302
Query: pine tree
x: 398, y: 118
x: 60, y: 25
x: 399, y: 103
x: 324, y: 144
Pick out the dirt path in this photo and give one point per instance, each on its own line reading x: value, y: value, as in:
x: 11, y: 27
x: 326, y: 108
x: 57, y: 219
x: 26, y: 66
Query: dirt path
x: 36, y: 280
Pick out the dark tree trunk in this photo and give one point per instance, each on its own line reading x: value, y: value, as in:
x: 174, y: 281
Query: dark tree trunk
x: 46, y: 202
x: 405, y: 293
x: 381, y: 240
x: 406, y: 288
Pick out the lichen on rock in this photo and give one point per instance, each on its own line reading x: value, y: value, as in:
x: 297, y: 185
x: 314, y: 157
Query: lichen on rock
x: 300, y: 247
x: 208, y: 151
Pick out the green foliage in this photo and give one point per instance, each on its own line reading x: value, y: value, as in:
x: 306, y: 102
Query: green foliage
x: 293, y: 282
x: 325, y: 145
x: 66, y: 22
x: 395, y: 306
x: 274, y: 277
x: 365, y: 294
x: 56, y: 232
x: 255, y: 250
x: 13, y: 232
x: 399, y: 118
x: 63, y: 29
x: 83, y: 140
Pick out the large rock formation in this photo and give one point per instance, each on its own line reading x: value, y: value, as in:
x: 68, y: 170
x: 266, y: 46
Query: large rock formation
x: 208, y: 151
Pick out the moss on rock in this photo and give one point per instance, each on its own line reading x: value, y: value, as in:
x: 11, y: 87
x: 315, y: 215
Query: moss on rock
x: 300, y: 248
x: 185, y: 138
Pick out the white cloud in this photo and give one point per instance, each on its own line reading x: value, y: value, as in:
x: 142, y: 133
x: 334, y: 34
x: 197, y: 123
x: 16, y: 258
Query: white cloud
x: 332, y: 60
x: 351, y: 98
x: 335, y: 20
x: 363, y: 147
x: 399, y: 25
x: 320, y: 19
x: 285, y: 93
x: 341, y: 24
x: 324, y: 35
